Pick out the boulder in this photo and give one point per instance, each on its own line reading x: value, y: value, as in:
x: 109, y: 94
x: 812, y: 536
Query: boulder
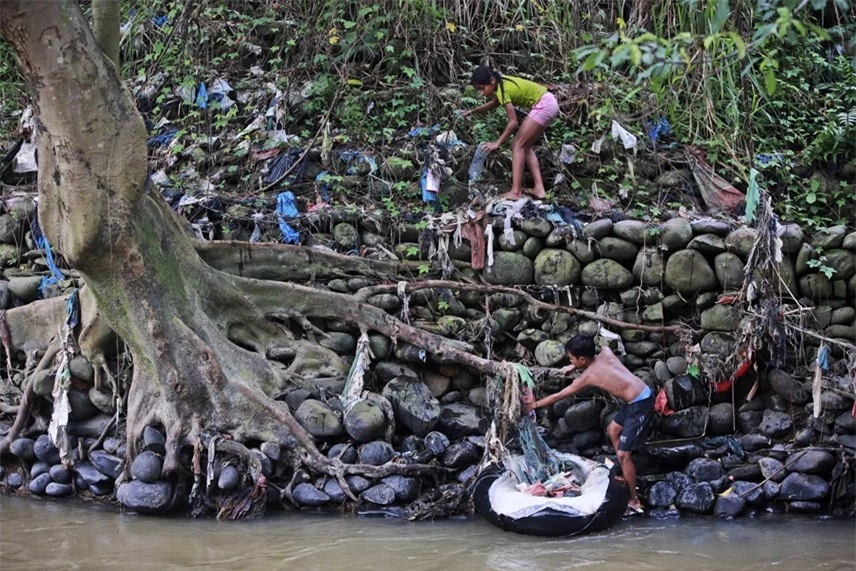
x: 142, y: 497
x: 675, y: 234
x: 229, y: 478
x: 306, y: 494
x: 648, y: 267
x: 740, y: 241
x: 716, y: 318
x: 458, y: 420
x: 406, y: 489
x: 792, y: 237
x: 153, y: 439
x: 816, y: 286
x: 684, y: 391
x: 60, y: 474
x: 58, y: 490
x: 803, y: 487
x: 788, y: 387
x: 376, y: 453
x: 606, y: 274
x: 829, y: 238
x: 512, y: 243
x: 23, y: 448
x: 461, y: 454
x: 556, y: 267
x: 25, y: 288
x: 688, y: 272
x: 584, y: 415
x: 413, y: 404
x: 687, y: 423
x: 147, y: 467
x: 729, y: 506
x: 776, y: 424
x: 39, y: 484
x: 90, y: 475
x: 45, y: 450
x: 811, y: 462
x: 661, y: 495
x: 635, y: 231
x: 509, y: 268
x: 537, y: 227
x: 597, y: 229
x: 380, y: 494
x: 549, y: 353
x: 346, y: 236
x: 436, y: 442
x: 107, y: 464
x: 365, y: 421
x: 704, y: 470
x: 843, y: 262
x: 709, y: 244
x: 696, y: 498
x: 318, y: 419
x: 719, y: 343
x: 721, y: 419
x: 616, y: 249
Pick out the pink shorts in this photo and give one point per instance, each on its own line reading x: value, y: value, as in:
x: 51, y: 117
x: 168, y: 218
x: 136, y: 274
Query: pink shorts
x: 545, y: 110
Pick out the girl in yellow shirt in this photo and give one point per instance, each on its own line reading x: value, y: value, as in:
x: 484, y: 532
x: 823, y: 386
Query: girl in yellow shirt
x: 508, y: 92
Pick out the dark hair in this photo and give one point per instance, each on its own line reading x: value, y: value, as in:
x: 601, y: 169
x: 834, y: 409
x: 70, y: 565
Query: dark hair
x: 581, y: 345
x: 483, y: 74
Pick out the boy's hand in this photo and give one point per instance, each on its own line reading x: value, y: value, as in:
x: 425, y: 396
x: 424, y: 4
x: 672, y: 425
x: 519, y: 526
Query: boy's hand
x: 567, y: 369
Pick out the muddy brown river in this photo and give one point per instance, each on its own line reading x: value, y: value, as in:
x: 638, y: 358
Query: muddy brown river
x: 72, y: 535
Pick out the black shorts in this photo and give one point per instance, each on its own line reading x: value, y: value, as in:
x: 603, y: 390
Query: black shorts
x: 635, y: 420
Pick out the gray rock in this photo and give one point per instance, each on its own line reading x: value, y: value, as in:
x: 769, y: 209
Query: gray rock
x: 616, y: 249
x: 43, y: 383
x: 154, y: 440
x: 319, y: 420
x: 413, y: 404
x: 662, y: 494
x: 684, y: 391
x: 25, y: 288
x: 101, y: 401
x: 142, y: 497
x: 792, y: 237
x: 39, y: 484
x: 365, y: 421
x: 816, y: 286
x: 478, y: 396
x: 556, y: 267
x: 514, y: 244
x: 81, y: 407
x: 802, y: 487
x: 458, y: 420
x: 341, y: 343
x: 584, y: 415
x: 334, y: 491
x: 60, y: 474
x: 729, y: 506
x: 696, y: 498
x: 308, y: 495
x: 749, y: 491
x: 843, y: 262
x: 649, y: 267
x: 406, y: 489
x: 641, y: 348
x: 509, y: 268
x: 606, y: 274
x: 676, y: 233
x: 381, y: 494
x: 23, y: 448
x: 687, y: 423
x: 581, y: 251
x: 811, y: 462
x: 788, y: 387
x: 107, y: 464
x: 8, y: 257
x: 507, y: 318
x: 380, y: 345
x: 740, y: 241
x: 271, y: 450
x: 688, y: 272
x: 58, y: 490
x: 776, y: 424
x: 358, y: 484
x: 704, y: 470
x: 147, y: 467
x: 531, y: 247
x: 653, y: 313
x: 716, y: 318
x: 709, y: 244
x: 537, y: 227
x: 39, y: 468
x: 14, y: 480
x: 10, y: 226
x: 675, y: 455
x: 549, y: 353
x: 346, y: 236
x: 749, y: 420
x: 436, y: 442
x: 771, y: 491
x: 677, y: 365
x: 345, y: 452
x: 719, y: 343
x: 229, y: 478
x: 829, y: 238
x: 849, y: 242
x: 81, y: 369
x: 721, y: 419
x: 845, y: 423
x: 91, y: 476
x: 376, y: 453
x: 460, y: 454
x: 635, y: 231
x: 597, y: 229
x: 45, y: 450
x: 771, y: 469
x: 843, y: 316
x: 386, y: 301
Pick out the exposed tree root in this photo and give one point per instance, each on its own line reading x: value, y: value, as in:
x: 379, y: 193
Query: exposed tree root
x: 23, y: 413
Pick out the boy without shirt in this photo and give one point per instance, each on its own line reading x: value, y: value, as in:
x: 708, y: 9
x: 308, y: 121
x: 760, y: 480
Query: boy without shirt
x: 604, y: 371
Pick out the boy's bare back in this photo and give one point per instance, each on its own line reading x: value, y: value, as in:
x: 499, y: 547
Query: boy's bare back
x: 608, y: 373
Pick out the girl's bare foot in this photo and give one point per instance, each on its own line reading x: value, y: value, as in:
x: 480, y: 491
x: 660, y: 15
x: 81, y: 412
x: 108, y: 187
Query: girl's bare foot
x: 510, y: 195
x: 535, y: 192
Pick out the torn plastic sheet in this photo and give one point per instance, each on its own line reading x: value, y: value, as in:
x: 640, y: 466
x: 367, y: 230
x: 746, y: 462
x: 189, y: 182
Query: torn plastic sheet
x: 286, y: 208
x: 161, y: 139
x: 283, y: 163
x: 202, y: 96
x: 256, y: 236
x: 568, y: 153
x: 628, y: 139
x: 25, y: 159
x: 429, y: 195
x: 354, y: 159
x: 596, y: 145
x: 449, y: 140
x: 752, y: 196
x: 220, y: 93
x: 717, y: 193
x: 658, y: 129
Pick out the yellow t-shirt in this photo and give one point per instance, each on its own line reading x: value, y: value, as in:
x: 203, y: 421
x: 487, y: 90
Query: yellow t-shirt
x: 520, y: 92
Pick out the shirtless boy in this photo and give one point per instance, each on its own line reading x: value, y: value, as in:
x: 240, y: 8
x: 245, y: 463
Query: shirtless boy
x: 629, y: 428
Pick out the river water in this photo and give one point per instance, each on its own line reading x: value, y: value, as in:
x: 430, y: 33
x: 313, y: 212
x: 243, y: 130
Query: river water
x: 72, y: 535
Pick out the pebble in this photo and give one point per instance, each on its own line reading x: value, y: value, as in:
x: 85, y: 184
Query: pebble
x: 229, y: 478
x: 147, y: 467
x: 60, y: 475
x: 23, y: 448
x: 57, y: 490
x: 153, y: 440
x: 45, y: 450
x: 39, y: 484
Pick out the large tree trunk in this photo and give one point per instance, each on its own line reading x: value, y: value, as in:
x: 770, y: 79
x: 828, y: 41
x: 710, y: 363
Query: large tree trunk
x: 105, y: 25
x: 198, y: 336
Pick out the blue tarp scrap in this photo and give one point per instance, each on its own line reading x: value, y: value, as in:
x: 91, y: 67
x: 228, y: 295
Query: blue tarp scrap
x: 72, y: 310
x: 43, y: 244
x: 202, y: 96
x: 424, y: 131
x: 823, y: 357
x: 658, y: 129
x: 161, y: 139
x: 427, y: 196
x: 283, y: 163
x: 286, y: 208
x: 323, y: 186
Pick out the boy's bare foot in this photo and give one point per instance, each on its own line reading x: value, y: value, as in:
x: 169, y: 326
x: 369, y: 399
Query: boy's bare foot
x: 510, y: 195
x: 536, y: 192
x: 633, y: 510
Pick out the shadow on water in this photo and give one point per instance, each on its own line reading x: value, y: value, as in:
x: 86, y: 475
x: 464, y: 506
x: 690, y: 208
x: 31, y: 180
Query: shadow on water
x: 71, y: 535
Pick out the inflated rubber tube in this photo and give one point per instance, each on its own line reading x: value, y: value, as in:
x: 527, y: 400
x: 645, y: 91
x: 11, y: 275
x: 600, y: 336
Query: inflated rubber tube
x: 548, y: 522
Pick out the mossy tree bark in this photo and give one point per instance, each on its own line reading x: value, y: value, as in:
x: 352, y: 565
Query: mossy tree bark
x: 198, y: 335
